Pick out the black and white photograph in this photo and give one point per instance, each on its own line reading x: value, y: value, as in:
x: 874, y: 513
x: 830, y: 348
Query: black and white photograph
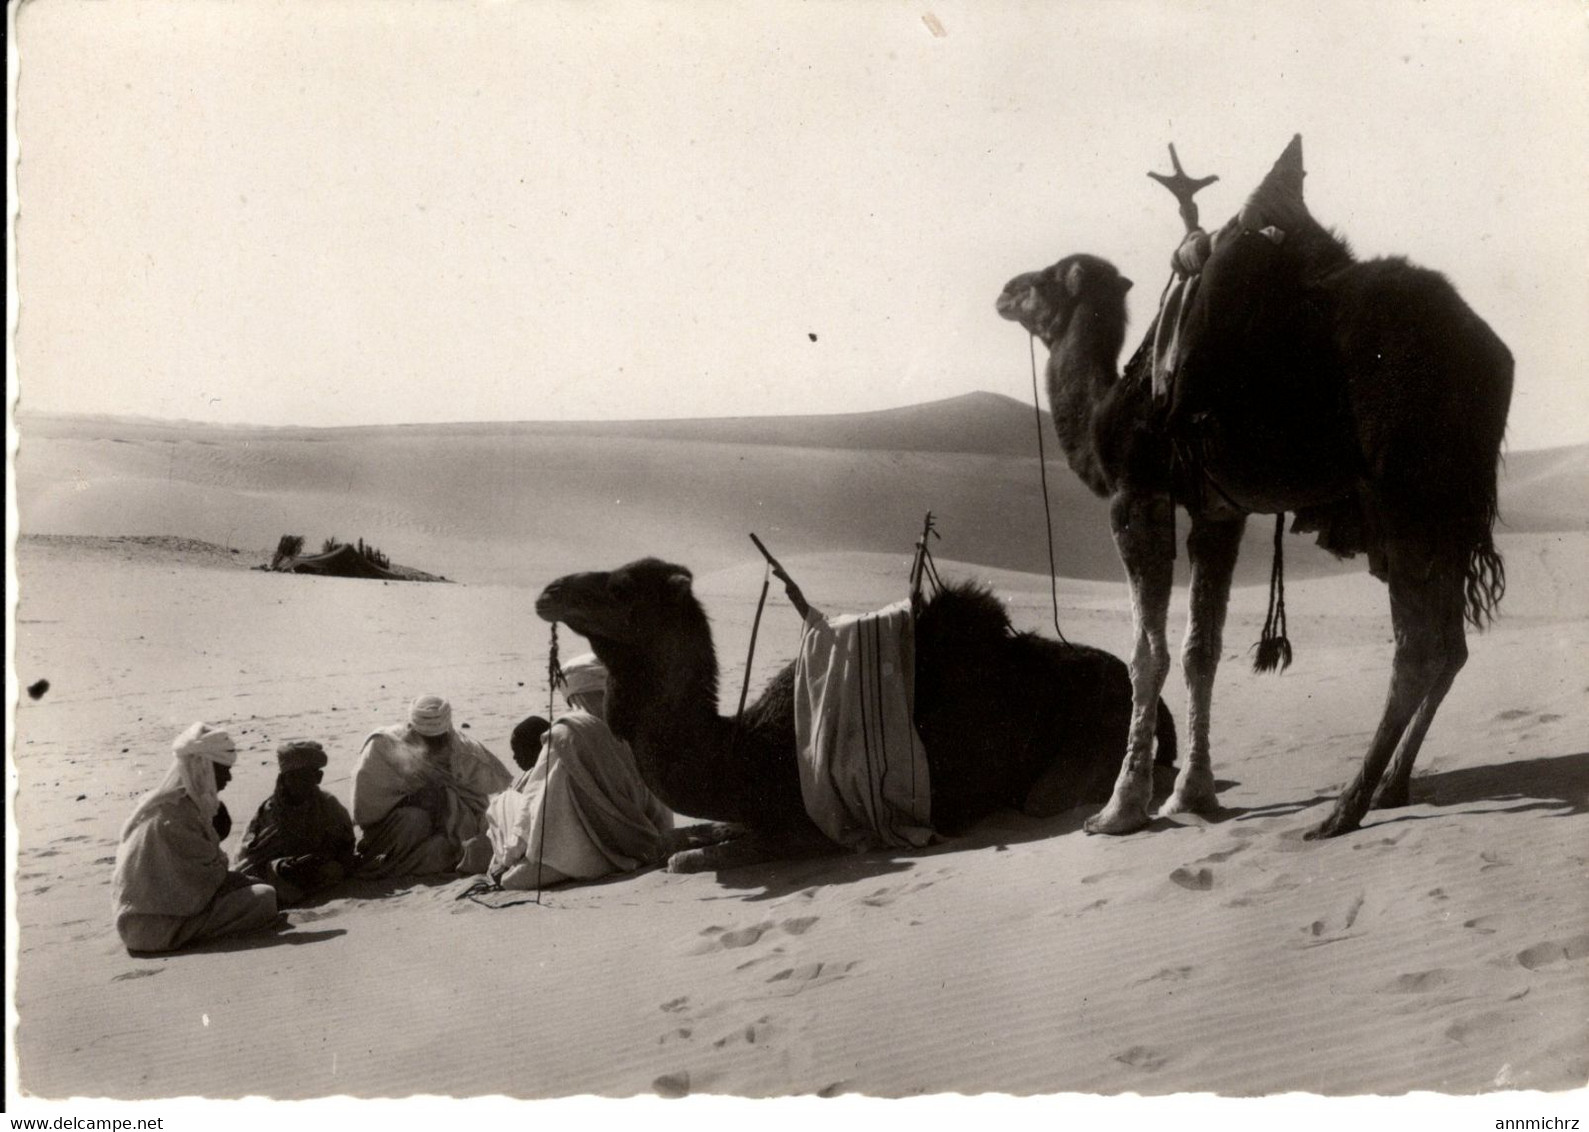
x: 890, y: 560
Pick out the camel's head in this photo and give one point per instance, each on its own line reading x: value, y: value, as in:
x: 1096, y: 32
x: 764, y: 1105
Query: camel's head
x: 1044, y: 302
x: 645, y: 624
x: 633, y: 604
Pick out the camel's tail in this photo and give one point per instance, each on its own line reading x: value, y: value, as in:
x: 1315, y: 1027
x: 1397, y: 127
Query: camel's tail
x: 1484, y: 583
x: 1164, y: 750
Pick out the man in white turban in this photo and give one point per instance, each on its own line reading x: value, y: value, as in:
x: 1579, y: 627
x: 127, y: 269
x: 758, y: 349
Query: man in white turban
x: 419, y: 796
x: 582, y: 811
x: 172, y: 885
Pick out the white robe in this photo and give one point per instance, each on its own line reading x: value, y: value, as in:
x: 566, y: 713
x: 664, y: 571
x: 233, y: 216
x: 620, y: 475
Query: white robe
x: 581, y: 812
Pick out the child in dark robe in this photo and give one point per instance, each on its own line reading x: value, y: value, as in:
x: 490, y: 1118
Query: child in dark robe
x: 301, y: 839
x: 526, y: 743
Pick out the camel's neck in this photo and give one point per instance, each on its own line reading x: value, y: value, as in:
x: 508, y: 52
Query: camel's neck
x: 1082, y: 368
x: 663, y: 702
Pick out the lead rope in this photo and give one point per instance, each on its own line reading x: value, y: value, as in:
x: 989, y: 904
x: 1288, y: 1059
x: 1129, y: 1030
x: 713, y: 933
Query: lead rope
x: 554, y: 677
x: 744, y: 688
x: 1042, y: 468
x: 484, y: 885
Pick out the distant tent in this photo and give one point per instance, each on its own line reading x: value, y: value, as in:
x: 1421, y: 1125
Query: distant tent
x: 343, y: 562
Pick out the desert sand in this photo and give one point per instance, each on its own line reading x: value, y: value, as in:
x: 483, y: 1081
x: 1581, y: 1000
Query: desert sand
x: 1443, y: 948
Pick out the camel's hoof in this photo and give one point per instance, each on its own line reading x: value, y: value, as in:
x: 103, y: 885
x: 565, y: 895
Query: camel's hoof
x: 689, y: 861
x: 1194, y: 794
x: 1127, y: 819
x: 1328, y: 828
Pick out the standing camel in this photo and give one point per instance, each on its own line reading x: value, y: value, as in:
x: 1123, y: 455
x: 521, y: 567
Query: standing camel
x: 1365, y: 397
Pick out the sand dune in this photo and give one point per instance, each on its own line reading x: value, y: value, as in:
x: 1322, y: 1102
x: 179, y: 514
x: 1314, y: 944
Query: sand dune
x: 1444, y: 947
x: 505, y: 502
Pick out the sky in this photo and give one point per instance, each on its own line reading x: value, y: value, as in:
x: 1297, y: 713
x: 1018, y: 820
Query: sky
x: 381, y: 211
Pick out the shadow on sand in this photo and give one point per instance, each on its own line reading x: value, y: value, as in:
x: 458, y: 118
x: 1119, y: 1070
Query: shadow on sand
x: 770, y: 880
x: 283, y: 936
x: 1555, y: 782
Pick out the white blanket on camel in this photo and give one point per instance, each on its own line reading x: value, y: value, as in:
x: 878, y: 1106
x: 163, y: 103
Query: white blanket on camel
x: 863, y: 773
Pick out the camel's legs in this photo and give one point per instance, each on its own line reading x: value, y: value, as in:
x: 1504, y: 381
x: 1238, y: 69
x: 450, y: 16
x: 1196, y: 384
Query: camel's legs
x: 1144, y: 533
x: 1426, y: 611
x: 1212, y: 547
x: 1395, y: 789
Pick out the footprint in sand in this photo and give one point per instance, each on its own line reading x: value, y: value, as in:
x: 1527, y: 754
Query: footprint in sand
x: 139, y: 973
x: 1143, y: 1057
x: 720, y: 938
x: 752, y: 1033
x: 772, y: 956
x: 883, y: 897
x: 1220, y: 855
x: 1167, y: 975
x: 1485, y: 925
x: 793, y: 980
x: 1283, y: 883
x: 1335, y: 928
x: 672, y: 1085
x: 1196, y: 880
x: 1554, y: 951
x: 1378, y: 842
x: 729, y: 938
x: 1511, y: 714
x: 1421, y: 982
x: 1488, y: 1024
x: 673, y: 1006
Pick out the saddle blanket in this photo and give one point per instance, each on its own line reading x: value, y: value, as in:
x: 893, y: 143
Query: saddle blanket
x: 863, y: 772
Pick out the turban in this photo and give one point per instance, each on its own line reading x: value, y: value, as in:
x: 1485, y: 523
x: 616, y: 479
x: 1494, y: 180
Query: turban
x: 192, y: 772
x: 211, y: 742
x: 584, y: 674
x: 430, y: 715
x: 300, y: 754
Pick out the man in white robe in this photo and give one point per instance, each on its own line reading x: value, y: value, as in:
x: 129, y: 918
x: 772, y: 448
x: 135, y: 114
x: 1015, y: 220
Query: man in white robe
x: 419, y: 796
x: 581, y: 811
x: 172, y: 885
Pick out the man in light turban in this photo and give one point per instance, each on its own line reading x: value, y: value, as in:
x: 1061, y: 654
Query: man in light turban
x: 419, y: 796
x: 301, y: 838
x: 172, y: 886
x: 581, y: 811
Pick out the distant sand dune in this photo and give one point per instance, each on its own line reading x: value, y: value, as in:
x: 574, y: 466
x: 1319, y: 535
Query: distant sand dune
x: 505, y: 503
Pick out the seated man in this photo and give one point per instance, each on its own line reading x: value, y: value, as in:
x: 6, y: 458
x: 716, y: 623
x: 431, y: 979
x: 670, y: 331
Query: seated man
x: 301, y: 838
x: 581, y: 811
x: 419, y: 795
x: 171, y: 886
x: 526, y: 743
